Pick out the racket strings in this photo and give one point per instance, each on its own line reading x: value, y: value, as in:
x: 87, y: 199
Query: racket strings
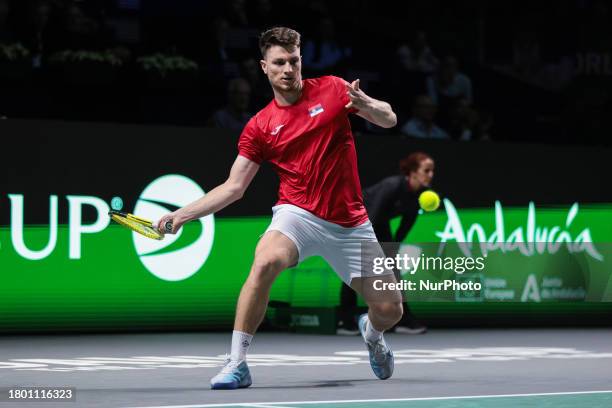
x: 137, y: 226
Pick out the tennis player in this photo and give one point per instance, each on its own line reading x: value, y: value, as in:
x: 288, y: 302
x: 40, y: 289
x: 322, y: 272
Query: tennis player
x: 304, y: 132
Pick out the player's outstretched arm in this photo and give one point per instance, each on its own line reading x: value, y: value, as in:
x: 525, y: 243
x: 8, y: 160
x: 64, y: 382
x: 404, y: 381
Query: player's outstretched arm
x: 372, y: 110
x: 242, y: 173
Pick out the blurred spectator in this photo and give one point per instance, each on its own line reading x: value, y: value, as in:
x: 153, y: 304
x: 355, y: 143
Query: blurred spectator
x: 418, y: 56
x: 235, y: 115
x: 324, y: 53
x: 216, y: 47
x: 530, y: 45
x: 217, y: 51
x: 415, y: 61
x: 261, y: 91
x: 422, y: 124
x: 466, y: 123
x: 219, y: 61
x: 240, y: 35
x: 462, y: 121
x: 448, y: 88
x: 449, y: 84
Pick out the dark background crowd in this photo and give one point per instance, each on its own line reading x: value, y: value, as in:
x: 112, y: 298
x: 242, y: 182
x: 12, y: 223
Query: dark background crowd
x: 472, y: 70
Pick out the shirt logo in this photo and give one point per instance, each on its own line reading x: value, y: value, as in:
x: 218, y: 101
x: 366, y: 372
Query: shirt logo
x: 276, y: 130
x: 315, y: 110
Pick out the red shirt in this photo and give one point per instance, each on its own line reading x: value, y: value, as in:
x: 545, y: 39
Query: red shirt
x: 311, y: 147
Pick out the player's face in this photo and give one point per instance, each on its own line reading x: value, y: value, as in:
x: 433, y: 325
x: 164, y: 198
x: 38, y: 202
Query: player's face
x: 283, y: 68
x: 425, y: 173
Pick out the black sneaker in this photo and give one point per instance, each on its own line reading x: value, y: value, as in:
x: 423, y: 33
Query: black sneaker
x: 347, y: 329
x: 410, y: 327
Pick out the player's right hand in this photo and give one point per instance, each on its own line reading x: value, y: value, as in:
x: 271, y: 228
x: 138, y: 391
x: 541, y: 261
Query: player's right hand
x: 170, y: 217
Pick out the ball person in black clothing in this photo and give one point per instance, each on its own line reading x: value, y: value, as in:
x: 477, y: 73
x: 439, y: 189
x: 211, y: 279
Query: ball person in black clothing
x: 389, y: 198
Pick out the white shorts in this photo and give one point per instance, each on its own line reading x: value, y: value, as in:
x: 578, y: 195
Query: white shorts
x: 341, y: 247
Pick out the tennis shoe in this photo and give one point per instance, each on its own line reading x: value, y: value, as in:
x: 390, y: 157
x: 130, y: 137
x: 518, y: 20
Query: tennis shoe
x: 381, y: 356
x: 234, y: 374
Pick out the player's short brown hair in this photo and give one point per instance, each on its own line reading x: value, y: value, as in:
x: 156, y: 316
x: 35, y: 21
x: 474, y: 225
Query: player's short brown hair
x: 285, y: 37
x: 412, y: 162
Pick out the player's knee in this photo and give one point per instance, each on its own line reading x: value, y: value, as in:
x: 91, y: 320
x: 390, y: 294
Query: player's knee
x: 266, y: 267
x: 398, y: 311
x: 389, y: 311
x: 267, y: 263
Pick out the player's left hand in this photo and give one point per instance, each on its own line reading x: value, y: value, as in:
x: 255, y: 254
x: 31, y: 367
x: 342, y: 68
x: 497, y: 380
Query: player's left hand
x: 359, y: 100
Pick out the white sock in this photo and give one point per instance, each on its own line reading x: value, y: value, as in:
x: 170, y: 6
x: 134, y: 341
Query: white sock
x: 240, y: 345
x: 371, y: 334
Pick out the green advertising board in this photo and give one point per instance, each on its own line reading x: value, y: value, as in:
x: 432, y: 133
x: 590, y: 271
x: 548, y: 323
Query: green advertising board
x: 100, y: 276
x: 522, y: 254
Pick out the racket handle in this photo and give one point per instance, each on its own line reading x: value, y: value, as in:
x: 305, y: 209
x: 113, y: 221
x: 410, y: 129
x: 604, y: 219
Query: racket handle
x: 168, y: 226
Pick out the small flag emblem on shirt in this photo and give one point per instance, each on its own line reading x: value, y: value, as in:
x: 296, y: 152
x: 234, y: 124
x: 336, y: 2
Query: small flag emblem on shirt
x: 315, y: 110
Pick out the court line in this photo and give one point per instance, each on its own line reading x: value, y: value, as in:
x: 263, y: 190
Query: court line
x: 278, y: 404
x: 263, y: 405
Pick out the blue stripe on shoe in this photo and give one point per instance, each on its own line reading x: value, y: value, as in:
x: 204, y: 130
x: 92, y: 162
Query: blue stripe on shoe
x: 238, y: 377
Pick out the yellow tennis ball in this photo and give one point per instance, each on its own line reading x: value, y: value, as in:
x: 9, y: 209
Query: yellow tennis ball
x: 429, y: 200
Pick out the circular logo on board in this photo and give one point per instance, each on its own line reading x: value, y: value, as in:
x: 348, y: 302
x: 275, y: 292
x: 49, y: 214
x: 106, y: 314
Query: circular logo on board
x: 179, y: 256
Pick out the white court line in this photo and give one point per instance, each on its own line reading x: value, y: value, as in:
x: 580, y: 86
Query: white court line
x: 276, y: 404
x: 263, y: 405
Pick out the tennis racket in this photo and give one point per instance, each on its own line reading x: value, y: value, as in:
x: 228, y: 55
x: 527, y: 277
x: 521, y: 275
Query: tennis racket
x: 140, y: 225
